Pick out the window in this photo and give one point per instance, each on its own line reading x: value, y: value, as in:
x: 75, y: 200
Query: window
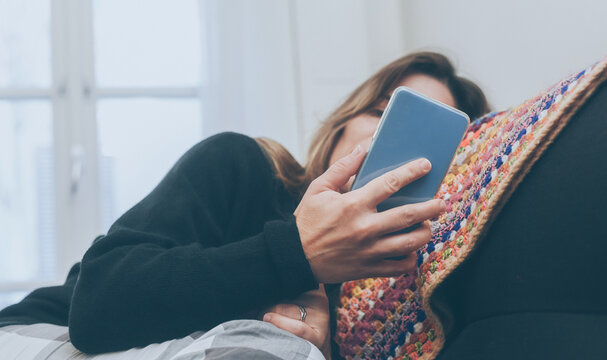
x: 147, y: 86
x: 27, y: 215
x: 98, y: 99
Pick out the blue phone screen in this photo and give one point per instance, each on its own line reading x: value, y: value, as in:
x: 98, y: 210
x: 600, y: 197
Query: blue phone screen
x: 413, y: 126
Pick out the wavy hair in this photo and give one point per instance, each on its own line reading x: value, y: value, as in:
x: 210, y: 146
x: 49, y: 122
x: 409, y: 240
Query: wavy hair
x: 468, y: 97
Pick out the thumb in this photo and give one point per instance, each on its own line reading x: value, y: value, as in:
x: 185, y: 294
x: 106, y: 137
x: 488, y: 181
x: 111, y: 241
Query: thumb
x: 339, y: 173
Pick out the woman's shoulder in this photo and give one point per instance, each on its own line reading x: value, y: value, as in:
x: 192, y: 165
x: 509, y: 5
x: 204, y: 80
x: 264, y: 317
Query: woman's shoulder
x: 228, y: 145
x: 230, y: 138
x: 231, y: 152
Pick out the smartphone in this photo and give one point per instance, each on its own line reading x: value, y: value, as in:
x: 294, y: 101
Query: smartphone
x: 413, y: 126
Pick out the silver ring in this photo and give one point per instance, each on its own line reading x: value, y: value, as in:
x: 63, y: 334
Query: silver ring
x: 302, y: 313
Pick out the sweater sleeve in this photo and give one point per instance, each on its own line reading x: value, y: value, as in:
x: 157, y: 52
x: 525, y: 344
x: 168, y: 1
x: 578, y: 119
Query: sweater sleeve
x: 44, y: 305
x: 194, y: 253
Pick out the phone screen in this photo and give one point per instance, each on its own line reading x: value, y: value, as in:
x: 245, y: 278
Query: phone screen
x: 413, y: 126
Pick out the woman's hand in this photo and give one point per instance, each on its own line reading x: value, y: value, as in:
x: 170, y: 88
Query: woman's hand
x: 345, y: 238
x: 315, y: 327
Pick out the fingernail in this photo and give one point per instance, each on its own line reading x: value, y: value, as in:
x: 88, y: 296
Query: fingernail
x: 426, y: 165
x: 357, y: 150
x: 267, y: 317
x: 443, y: 205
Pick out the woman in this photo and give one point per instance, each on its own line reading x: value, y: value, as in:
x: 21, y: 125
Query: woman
x: 227, y: 233
x: 353, y: 123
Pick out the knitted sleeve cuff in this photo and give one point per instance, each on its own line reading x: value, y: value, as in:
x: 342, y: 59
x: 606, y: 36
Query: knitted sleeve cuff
x: 292, y: 268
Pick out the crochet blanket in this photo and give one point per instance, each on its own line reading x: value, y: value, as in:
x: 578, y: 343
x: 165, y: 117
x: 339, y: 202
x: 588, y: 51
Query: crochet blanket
x: 391, y: 318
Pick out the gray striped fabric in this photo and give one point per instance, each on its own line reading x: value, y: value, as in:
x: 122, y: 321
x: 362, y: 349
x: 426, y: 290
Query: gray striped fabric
x: 239, y: 339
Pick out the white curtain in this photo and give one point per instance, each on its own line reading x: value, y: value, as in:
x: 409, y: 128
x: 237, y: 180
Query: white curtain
x: 278, y: 67
x: 251, y: 79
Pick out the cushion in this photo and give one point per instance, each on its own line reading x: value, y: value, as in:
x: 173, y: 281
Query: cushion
x: 391, y: 317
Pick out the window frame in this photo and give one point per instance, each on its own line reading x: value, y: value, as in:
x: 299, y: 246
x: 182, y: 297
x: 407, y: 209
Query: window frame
x: 73, y: 96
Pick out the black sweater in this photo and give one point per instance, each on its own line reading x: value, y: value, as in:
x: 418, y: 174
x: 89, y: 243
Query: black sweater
x: 214, y: 241
x: 534, y: 287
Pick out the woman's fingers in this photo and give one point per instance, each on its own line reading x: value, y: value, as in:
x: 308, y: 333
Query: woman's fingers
x: 295, y: 327
x: 289, y: 310
x: 339, y: 173
x: 388, y: 268
x: 402, y: 217
x: 315, y: 327
x: 402, y: 244
x: 382, y: 187
x: 396, y: 254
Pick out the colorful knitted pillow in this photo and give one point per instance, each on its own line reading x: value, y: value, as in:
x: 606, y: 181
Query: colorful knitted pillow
x: 387, y: 318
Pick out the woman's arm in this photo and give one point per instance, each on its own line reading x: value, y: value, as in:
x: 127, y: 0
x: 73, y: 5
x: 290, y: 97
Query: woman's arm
x: 209, y: 244
x: 48, y: 305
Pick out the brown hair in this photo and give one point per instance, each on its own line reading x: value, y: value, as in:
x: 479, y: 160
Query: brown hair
x: 468, y: 97
x: 286, y: 168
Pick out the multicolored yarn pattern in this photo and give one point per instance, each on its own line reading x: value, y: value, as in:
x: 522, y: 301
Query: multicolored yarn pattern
x: 390, y: 318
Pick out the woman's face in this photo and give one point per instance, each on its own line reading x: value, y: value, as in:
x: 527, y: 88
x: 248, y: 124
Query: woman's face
x: 359, y: 130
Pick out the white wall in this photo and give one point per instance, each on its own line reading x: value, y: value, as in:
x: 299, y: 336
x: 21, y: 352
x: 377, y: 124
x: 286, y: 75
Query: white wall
x: 277, y: 68
x: 251, y: 78
x: 284, y: 65
x: 512, y: 48
x: 340, y: 44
